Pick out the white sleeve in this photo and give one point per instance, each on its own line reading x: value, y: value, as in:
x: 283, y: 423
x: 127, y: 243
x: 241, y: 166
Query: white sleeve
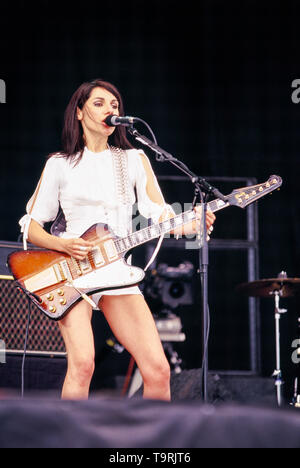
x: 44, y: 204
x: 151, y: 203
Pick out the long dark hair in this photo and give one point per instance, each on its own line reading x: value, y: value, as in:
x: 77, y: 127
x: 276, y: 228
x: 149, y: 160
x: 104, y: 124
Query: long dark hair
x: 72, y: 135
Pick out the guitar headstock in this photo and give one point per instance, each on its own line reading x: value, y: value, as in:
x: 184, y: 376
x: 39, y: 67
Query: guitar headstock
x: 242, y: 197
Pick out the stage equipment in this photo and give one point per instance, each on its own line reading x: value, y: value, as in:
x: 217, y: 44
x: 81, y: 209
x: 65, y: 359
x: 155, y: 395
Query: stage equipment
x: 137, y: 426
x: 275, y: 288
x: 170, y: 286
x: 286, y: 287
x: 165, y: 288
x: 44, y: 336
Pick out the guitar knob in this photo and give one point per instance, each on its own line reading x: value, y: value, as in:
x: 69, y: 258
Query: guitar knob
x: 52, y: 309
x: 50, y: 297
x: 62, y: 301
x: 60, y: 292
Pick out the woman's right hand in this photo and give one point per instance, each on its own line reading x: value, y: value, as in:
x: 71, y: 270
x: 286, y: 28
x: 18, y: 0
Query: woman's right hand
x: 77, y: 248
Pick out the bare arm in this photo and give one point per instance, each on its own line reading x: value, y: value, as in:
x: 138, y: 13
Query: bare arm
x: 78, y: 248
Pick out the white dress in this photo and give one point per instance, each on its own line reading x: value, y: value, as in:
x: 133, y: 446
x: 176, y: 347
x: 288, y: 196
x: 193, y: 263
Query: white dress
x: 87, y: 194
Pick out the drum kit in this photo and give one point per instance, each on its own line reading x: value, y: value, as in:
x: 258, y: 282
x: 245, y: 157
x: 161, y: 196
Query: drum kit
x: 276, y: 288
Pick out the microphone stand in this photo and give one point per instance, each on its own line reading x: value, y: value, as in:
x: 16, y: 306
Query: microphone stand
x: 202, y: 189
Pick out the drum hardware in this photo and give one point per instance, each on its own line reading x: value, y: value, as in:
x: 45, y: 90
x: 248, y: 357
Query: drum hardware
x: 296, y: 397
x: 279, y: 287
x: 277, y: 374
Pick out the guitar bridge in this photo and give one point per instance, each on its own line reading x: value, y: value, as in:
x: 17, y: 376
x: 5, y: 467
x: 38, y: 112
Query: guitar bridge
x: 48, y: 277
x: 97, y: 257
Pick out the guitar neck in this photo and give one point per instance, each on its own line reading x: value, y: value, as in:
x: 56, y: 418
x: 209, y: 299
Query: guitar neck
x: 156, y: 230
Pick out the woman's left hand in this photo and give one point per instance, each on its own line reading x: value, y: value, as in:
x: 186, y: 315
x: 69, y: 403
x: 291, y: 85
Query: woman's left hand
x: 210, y: 218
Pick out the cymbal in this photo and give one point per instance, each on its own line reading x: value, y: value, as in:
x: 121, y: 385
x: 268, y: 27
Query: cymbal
x: 266, y: 287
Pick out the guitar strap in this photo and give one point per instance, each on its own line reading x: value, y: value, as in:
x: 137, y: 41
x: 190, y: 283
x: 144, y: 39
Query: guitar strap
x: 120, y: 164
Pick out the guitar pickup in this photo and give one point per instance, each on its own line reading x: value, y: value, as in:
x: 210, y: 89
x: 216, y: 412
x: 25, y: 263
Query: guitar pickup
x: 97, y: 257
x: 110, y: 250
x: 59, y: 272
x: 65, y: 270
x: 85, y: 266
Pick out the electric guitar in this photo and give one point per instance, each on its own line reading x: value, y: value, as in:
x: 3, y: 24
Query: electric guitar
x: 55, y: 281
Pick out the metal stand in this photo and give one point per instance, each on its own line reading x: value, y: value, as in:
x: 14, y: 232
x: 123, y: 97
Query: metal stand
x: 296, y: 397
x: 203, y: 271
x: 277, y: 372
x: 201, y: 187
x: 282, y: 286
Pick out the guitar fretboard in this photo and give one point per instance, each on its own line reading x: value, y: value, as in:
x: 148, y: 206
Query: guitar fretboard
x: 156, y: 230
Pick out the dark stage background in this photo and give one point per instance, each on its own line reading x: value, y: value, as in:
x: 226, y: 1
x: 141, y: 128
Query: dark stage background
x: 214, y: 81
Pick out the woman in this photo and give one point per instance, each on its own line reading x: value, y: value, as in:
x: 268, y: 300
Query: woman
x: 89, y: 186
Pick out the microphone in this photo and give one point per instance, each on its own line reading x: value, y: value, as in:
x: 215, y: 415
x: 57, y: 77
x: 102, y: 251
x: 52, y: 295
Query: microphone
x: 114, y: 120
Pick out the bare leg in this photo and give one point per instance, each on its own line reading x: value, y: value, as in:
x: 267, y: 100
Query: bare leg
x: 78, y: 336
x: 133, y: 325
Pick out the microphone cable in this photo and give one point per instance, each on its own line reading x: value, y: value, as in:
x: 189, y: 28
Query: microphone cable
x: 158, y: 157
